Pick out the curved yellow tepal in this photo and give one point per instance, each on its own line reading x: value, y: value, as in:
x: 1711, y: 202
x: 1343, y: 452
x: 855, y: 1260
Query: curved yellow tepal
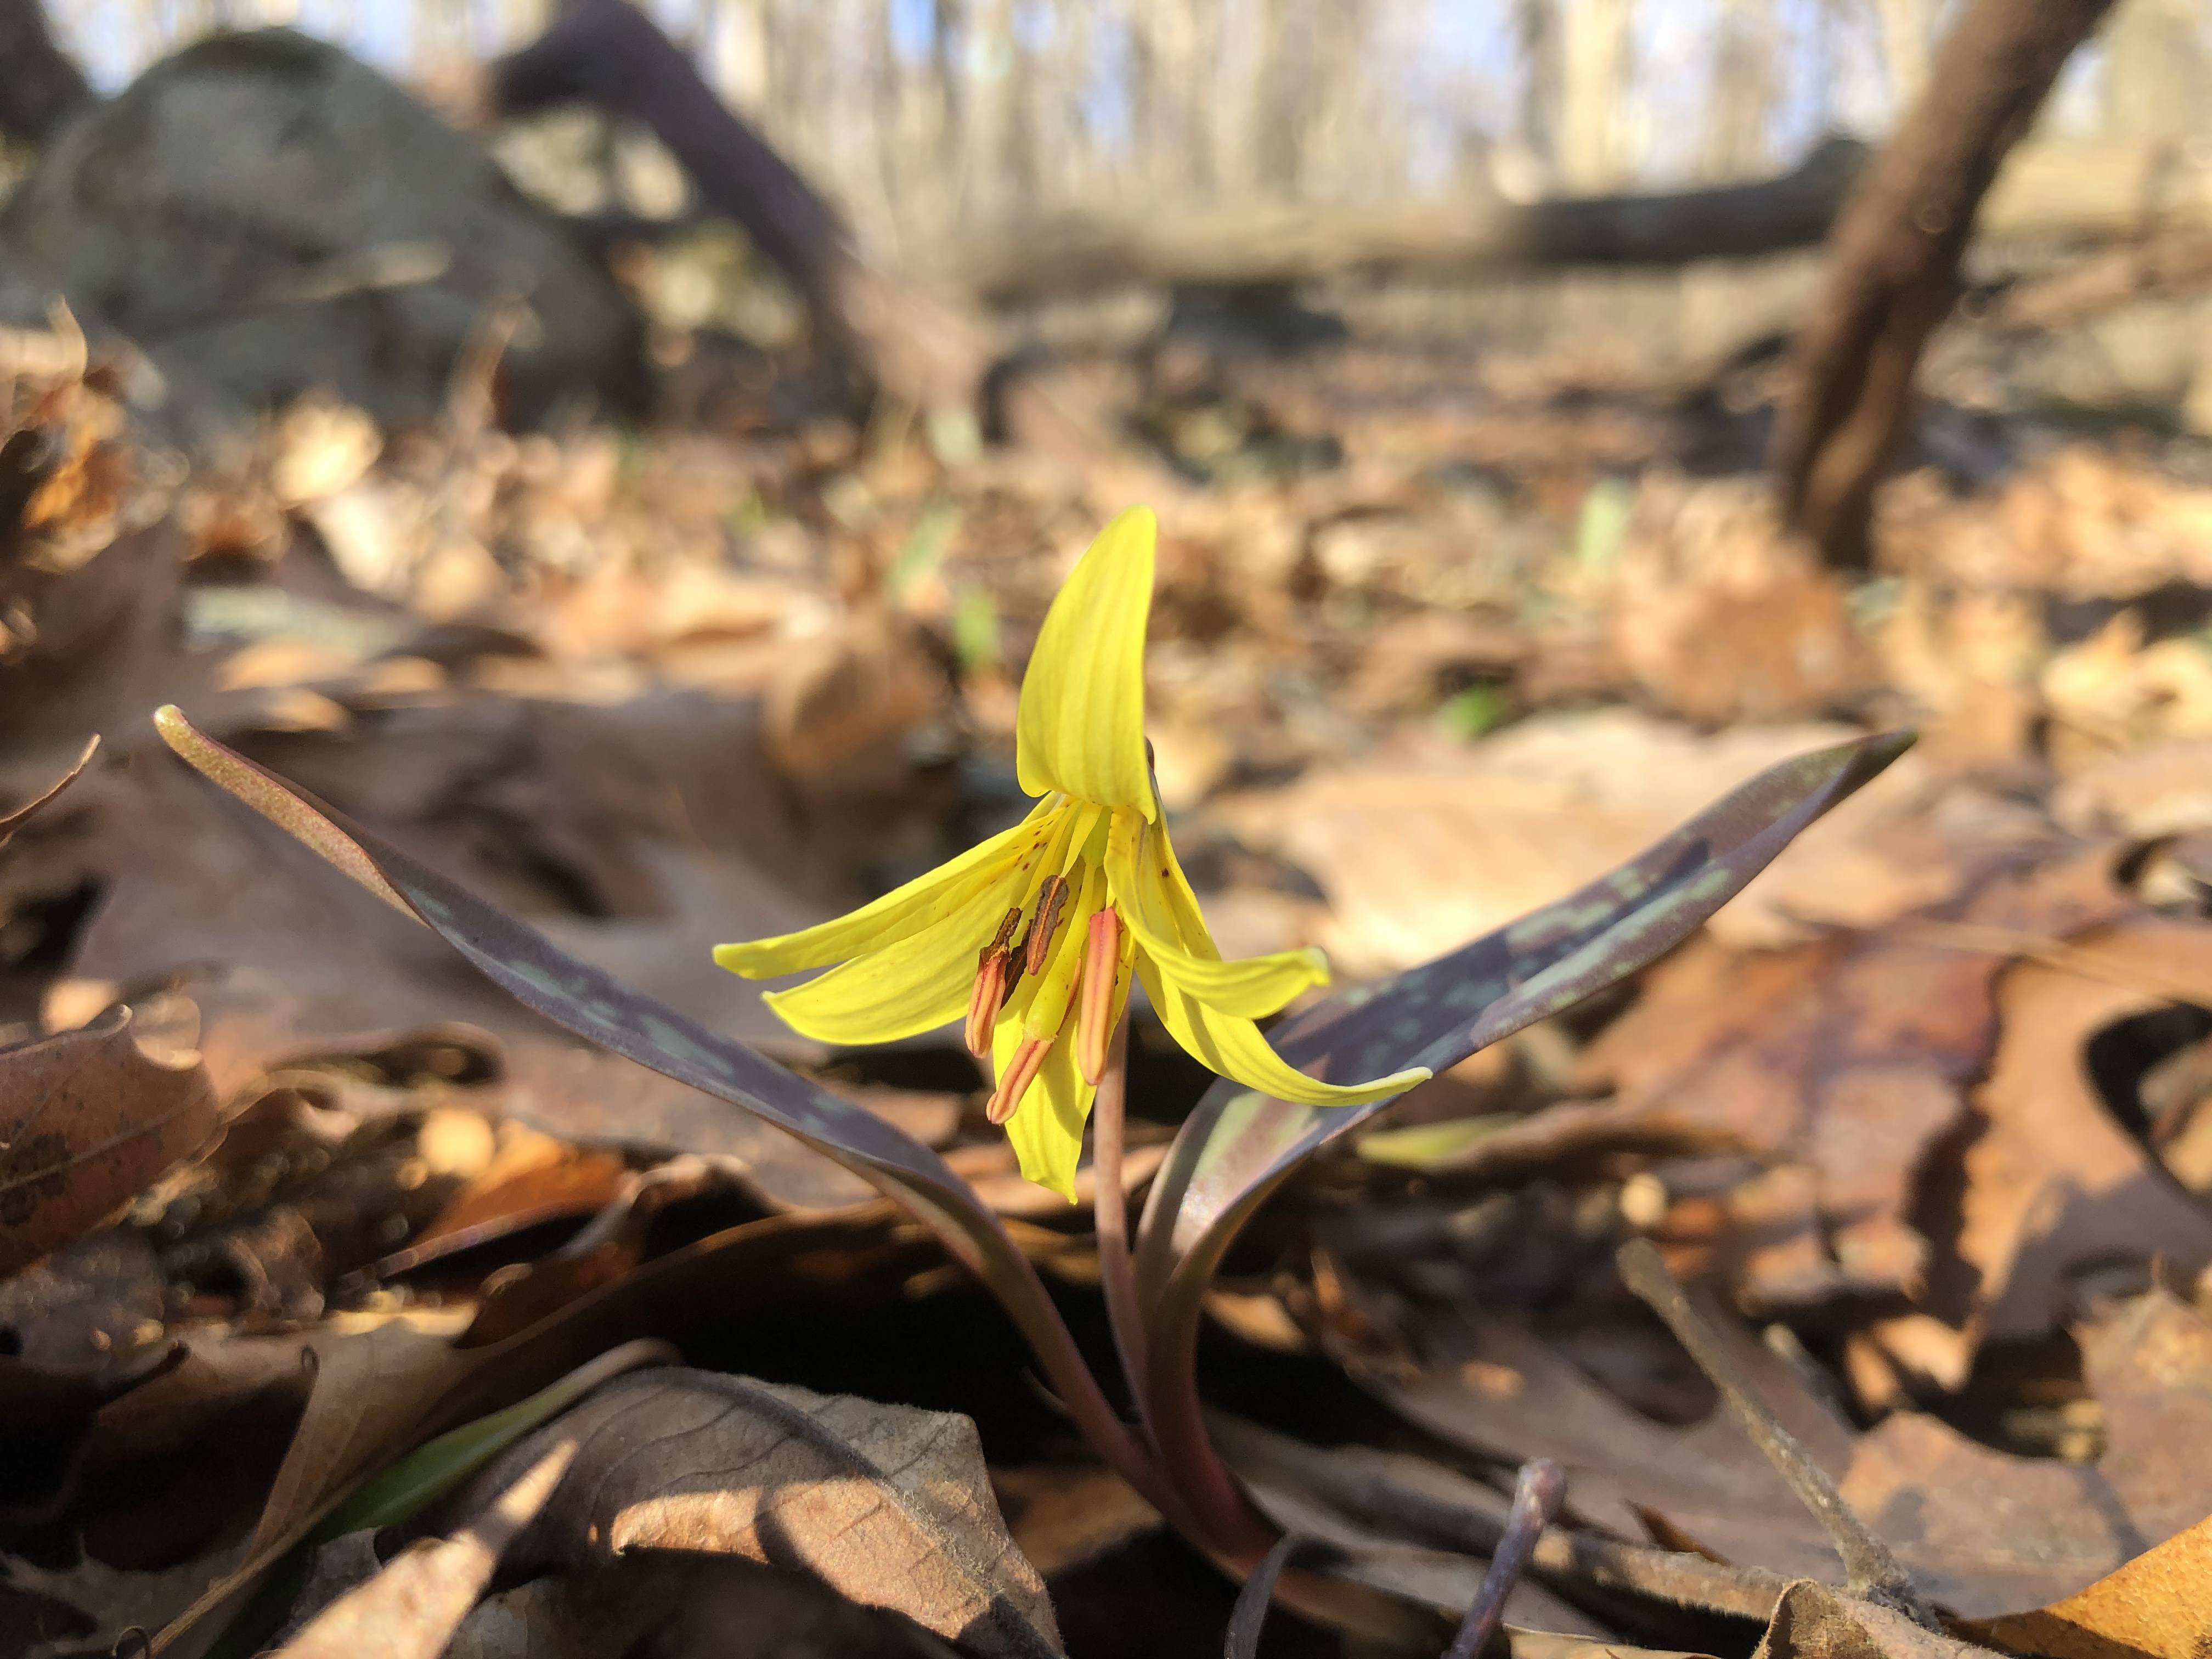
x: 1081, y: 726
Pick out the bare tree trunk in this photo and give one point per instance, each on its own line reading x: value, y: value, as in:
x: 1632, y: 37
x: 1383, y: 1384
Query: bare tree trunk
x: 38, y: 85
x: 1743, y: 93
x: 1895, y: 263
x: 1595, y: 41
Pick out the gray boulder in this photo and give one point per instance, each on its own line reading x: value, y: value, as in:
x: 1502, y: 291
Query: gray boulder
x: 264, y: 216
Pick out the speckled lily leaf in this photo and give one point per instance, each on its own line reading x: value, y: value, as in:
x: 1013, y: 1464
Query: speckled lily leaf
x: 600, y: 1009
x: 1237, y: 1145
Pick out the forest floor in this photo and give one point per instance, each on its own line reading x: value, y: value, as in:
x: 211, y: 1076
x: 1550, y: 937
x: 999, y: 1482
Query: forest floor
x: 1924, y: 1116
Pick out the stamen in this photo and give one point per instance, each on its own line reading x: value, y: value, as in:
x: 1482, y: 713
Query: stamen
x: 1102, y: 971
x: 984, y: 1001
x: 1051, y: 899
x: 994, y: 975
x: 1021, y: 1072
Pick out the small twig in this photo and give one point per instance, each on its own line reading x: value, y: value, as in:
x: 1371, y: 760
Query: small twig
x: 1109, y: 1207
x: 1536, y: 1498
x: 1870, y: 1570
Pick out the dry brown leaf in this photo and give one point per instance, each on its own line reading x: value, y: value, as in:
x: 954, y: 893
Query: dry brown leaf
x: 1422, y: 851
x: 1721, y: 618
x: 409, y: 1609
x: 2049, y: 1183
x: 2158, y: 1605
x: 890, y: 1506
x: 2160, y: 789
x: 1840, y: 1062
x: 1983, y: 1532
x: 82, y: 1324
x: 244, y: 919
x: 1062, y: 1515
x: 88, y: 1119
x: 680, y: 1606
x: 368, y: 1394
x: 1812, y: 1621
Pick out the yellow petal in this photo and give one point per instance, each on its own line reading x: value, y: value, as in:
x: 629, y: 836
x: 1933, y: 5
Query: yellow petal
x: 1137, y: 863
x: 905, y: 911
x: 1081, y: 725
x: 917, y: 984
x: 1235, y: 1048
x: 1046, y: 1129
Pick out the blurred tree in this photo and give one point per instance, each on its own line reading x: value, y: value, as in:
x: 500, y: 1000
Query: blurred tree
x: 1893, y: 263
x: 2156, y: 69
x: 38, y: 84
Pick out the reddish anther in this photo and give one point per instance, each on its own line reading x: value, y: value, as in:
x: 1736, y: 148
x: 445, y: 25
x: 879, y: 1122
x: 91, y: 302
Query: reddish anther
x: 1052, y: 900
x: 1102, y: 970
x: 1020, y: 1073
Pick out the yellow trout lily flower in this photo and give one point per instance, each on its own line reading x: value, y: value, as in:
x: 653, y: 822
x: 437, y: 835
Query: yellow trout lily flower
x: 1035, y: 934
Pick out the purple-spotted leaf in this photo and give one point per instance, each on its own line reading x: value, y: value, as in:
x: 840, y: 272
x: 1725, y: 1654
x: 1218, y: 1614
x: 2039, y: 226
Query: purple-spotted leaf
x: 1237, y: 1145
x: 602, y: 1010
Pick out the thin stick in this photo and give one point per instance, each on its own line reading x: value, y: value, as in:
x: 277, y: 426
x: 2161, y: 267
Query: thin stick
x: 1537, y: 1494
x: 1871, y: 1572
x: 1110, y: 1215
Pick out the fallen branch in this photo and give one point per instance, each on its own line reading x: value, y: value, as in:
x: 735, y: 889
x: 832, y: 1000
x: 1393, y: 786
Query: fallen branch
x: 1073, y: 252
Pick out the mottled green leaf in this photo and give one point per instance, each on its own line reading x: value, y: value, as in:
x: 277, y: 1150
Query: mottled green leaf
x: 596, y: 1006
x: 1237, y: 1145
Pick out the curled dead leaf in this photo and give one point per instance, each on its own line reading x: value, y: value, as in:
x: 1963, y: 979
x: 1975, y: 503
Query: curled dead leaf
x: 88, y: 1119
x: 2158, y: 1605
x: 890, y: 1506
x: 408, y: 1609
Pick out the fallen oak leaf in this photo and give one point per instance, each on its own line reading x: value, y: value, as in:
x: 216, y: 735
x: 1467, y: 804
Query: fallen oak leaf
x: 398, y: 1493
x: 1983, y: 1532
x: 88, y: 1119
x: 1853, y: 1056
x: 2050, y: 1182
x: 367, y: 1393
x: 1411, y: 1495
x: 409, y: 1608
x: 370, y: 1407
x: 694, y: 1604
x: 889, y: 1505
x: 2158, y: 1605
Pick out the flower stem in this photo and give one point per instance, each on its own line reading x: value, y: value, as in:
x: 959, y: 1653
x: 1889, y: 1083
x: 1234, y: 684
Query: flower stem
x: 1111, y: 1212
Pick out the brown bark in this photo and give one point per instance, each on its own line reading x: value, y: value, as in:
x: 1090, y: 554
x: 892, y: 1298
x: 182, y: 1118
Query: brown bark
x: 610, y: 54
x: 1894, y: 261
x: 1279, y: 243
x: 38, y: 84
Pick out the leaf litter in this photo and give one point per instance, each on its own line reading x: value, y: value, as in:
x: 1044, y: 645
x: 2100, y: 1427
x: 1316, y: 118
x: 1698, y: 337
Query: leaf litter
x: 1920, y: 1110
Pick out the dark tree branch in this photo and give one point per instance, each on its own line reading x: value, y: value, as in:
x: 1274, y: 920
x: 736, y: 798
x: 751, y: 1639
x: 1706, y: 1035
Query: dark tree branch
x: 1894, y: 261
x: 612, y: 55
